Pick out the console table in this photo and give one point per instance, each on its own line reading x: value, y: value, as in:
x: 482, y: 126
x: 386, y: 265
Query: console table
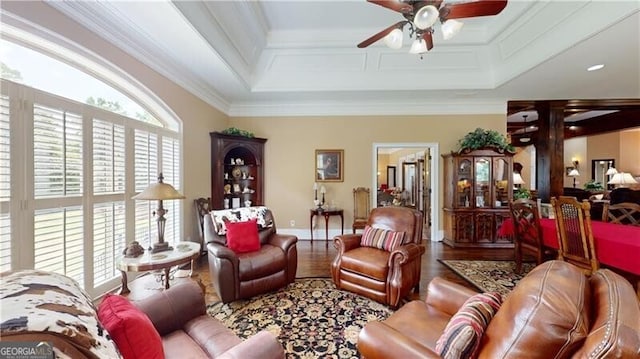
x: 183, y: 253
x: 326, y: 213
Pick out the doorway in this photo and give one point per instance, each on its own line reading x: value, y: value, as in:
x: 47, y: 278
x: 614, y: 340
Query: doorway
x: 421, y: 161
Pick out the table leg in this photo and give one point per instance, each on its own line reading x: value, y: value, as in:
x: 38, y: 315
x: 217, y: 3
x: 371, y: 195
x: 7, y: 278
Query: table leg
x: 342, y: 222
x: 125, y: 288
x: 166, y: 278
x: 311, y: 226
x: 326, y: 228
x: 191, y: 270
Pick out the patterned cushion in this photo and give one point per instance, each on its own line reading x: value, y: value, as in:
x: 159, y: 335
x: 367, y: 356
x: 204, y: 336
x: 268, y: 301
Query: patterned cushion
x: 130, y: 328
x: 242, y: 237
x: 241, y: 214
x: 461, y: 336
x: 381, y: 238
x: 36, y: 301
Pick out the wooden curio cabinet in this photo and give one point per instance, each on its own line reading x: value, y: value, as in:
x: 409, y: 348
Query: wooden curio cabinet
x: 237, y: 173
x: 478, y: 189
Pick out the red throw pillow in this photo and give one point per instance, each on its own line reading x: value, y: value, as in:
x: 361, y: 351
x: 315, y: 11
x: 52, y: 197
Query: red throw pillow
x: 130, y: 328
x: 242, y: 237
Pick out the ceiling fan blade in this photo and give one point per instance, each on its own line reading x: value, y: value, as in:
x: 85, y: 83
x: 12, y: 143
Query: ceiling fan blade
x: 381, y: 34
x: 428, y: 39
x: 395, y: 5
x: 473, y: 9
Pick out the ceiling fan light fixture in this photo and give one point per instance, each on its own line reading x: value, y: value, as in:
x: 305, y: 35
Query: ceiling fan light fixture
x: 426, y: 17
x: 394, y: 39
x: 451, y: 28
x: 418, y: 46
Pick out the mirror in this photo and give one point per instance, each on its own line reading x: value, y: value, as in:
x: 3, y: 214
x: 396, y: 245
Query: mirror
x: 599, y: 169
x: 409, y: 182
x: 391, y: 176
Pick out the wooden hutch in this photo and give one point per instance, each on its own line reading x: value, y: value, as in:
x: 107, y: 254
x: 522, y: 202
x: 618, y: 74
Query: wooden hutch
x: 237, y: 173
x: 478, y: 189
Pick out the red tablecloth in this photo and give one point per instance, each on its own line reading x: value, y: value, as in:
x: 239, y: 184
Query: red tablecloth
x: 617, y: 245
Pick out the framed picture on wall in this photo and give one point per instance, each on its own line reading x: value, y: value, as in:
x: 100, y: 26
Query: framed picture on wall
x: 329, y: 166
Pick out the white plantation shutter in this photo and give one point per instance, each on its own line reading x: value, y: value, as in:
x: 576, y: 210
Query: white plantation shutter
x: 109, y: 239
x: 146, y: 172
x: 65, y: 191
x: 171, y: 172
x: 59, y: 241
x: 5, y: 185
x: 57, y: 152
x: 108, y: 157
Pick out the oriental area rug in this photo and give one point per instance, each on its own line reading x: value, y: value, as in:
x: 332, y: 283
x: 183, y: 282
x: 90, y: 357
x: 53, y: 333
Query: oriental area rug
x: 310, y: 317
x: 489, y: 276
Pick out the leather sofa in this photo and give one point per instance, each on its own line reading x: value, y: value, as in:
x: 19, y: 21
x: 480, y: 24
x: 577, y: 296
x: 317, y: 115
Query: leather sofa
x: 244, y: 275
x: 386, y: 277
x: 555, y: 311
x: 40, y: 306
x: 179, y: 314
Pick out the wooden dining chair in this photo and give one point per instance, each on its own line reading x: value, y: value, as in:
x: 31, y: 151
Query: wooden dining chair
x: 622, y: 213
x: 527, y: 232
x: 202, y: 207
x: 361, y: 208
x: 575, y: 237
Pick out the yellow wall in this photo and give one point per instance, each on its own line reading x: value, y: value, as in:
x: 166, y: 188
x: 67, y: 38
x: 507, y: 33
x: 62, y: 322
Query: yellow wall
x: 292, y: 141
x: 629, y: 152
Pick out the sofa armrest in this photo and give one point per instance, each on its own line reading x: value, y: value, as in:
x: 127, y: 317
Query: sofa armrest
x: 170, y: 309
x: 378, y: 340
x: 447, y: 296
x: 263, y: 345
x: 406, y: 253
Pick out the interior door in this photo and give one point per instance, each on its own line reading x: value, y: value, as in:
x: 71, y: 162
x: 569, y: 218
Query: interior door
x: 425, y: 188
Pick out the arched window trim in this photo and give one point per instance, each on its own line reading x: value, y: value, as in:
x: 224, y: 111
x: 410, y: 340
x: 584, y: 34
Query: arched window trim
x: 53, y: 45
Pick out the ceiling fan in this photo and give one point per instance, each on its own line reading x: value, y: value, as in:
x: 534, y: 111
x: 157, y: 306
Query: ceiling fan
x: 421, y: 15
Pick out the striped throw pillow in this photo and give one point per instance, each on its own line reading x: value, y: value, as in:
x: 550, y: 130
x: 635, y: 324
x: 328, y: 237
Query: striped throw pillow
x: 461, y: 336
x: 381, y: 238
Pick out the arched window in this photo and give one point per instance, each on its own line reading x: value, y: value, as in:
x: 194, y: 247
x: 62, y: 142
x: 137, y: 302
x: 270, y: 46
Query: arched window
x: 79, y: 138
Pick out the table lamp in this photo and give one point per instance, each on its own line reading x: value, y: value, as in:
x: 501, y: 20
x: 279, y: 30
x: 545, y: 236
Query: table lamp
x: 160, y: 191
x: 622, y: 179
x: 574, y: 173
x: 517, y: 180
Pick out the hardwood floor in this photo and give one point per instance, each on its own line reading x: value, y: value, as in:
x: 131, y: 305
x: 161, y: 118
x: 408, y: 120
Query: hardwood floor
x: 314, y: 260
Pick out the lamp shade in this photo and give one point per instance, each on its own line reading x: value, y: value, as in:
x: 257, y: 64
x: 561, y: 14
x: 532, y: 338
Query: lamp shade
x: 418, y: 46
x: 574, y: 173
x: 611, y: 171
x: 451, y: 28
x: 622, y: 178
x: 159, y: 191
x: 394, y: 39
x: 517, y: 178
x: 426, y: 17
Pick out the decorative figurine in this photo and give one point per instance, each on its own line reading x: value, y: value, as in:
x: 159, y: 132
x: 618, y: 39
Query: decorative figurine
x: 133, y: 250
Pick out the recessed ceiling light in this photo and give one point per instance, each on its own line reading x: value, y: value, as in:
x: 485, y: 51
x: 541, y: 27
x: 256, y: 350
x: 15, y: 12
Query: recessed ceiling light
x: 595, y: 67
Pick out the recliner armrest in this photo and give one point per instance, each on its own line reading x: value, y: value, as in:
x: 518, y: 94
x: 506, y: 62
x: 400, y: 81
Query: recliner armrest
x: 406, y: 253
x: 447, y: 296
x: 284, y: 241
x: 171, y: 309
x: 221, y: 251
x: 378, y: 340
x: 263, y: 345
x: 347, y: 242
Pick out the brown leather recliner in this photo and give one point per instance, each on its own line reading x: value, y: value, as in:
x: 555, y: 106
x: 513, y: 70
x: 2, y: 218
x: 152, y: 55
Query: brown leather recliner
x: 240, y: 276
x: 555, y: 311
x: 386, y: 277
x: 179, y: 315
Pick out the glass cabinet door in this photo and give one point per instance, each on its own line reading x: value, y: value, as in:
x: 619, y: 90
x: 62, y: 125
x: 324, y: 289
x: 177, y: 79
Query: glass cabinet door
x: 501, y: 173
x: 463, y: 196
x: 482, y: 188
